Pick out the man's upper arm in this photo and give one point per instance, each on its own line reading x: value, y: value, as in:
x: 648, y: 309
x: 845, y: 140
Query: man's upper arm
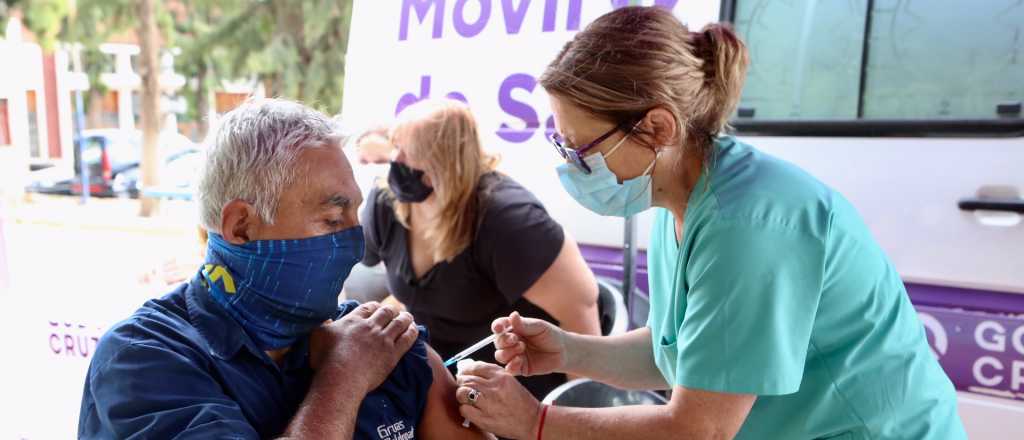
x: 441, y: 419
x: 151, y: 391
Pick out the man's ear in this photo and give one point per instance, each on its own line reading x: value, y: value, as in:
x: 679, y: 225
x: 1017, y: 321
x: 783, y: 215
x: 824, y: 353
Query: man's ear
x: 238, y: 222
x: 660, y: 125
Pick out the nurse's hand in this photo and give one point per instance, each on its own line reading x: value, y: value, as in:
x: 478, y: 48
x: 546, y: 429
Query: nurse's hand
x: 502, y: 406
x: 529, y: 346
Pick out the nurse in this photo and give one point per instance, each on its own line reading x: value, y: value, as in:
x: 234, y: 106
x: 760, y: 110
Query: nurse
x: 774, y: 313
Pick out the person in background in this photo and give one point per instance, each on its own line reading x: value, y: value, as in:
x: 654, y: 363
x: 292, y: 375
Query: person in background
x: 464, y: 244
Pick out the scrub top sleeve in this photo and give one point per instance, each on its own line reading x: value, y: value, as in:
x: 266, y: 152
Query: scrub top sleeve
x: 752, y: 298
x: 515, y: 245
x: 372, y: 220
x: 153, y: 392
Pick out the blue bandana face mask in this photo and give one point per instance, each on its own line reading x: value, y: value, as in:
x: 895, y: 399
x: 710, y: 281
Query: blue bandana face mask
x: 601, y: 192
x: 280, y: 290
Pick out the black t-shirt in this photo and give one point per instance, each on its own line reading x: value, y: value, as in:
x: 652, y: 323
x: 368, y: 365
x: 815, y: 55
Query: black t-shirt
x: 514, y: 244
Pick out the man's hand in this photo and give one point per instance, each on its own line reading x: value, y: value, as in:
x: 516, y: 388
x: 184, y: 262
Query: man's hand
x: 367, y: 342
x: 351, y: 356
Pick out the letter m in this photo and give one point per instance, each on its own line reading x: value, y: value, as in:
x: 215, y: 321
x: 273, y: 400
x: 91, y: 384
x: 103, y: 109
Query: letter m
x: 422, y: 8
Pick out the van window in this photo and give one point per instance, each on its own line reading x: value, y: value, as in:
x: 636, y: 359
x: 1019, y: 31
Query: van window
x: 882, y: 59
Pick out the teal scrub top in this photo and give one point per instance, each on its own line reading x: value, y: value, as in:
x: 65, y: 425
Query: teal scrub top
x: 779, y: 290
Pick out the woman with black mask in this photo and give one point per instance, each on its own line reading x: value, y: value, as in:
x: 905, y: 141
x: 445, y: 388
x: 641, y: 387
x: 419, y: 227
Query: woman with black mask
x: 464, y: 244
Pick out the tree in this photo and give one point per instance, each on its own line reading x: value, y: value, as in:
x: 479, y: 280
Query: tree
x: 296, y: 49
x: 149, y: 69
x: 42, y: 17
x: 201, y: 62
x: 93, y: 22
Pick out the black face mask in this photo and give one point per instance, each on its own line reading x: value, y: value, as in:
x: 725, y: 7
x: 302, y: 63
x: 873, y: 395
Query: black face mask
x: 407, y: 183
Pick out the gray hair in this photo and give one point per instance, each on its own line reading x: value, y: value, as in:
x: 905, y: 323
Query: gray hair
x: 251, y: 156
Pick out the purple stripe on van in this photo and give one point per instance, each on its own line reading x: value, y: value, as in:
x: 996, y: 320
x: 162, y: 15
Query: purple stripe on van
x: 962, y: 298
x: 606, y: 262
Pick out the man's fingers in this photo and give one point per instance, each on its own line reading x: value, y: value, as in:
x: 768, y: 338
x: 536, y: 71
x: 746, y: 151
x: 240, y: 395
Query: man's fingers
x: 383, y: 316
x: 404, y: 342
x: 398, y: 326
x: 366, y: 309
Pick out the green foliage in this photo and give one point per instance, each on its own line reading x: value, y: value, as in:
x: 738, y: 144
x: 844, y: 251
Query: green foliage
x: 296, y: 49
x: 94, y: 22
x: 42, y: 17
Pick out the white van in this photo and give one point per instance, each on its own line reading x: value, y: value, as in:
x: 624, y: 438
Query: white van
x: 911, y: 109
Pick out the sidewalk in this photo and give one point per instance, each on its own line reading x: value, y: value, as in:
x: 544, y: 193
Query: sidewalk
x: 59, y: 249
x: 175, y: 216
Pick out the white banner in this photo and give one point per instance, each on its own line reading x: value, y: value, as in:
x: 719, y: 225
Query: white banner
x: 487, y: 53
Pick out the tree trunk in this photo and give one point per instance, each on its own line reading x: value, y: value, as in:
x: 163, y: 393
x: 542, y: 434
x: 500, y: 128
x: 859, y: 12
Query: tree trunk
x: 202, y: 100
x: 149, y: 69
x: 94, y: 114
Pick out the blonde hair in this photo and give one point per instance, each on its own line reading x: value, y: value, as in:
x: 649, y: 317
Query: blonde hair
x: 637, y: 58
x: 442, y: 135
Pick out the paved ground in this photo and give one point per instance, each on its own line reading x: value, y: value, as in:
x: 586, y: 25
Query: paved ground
x: 54, y: 243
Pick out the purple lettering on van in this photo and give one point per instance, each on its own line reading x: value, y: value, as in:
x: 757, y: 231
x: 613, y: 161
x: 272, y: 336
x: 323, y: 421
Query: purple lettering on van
x: 410, y: 99
x: 550, y: 8
x: 667, y: 4
x: 422, y: 8
x: 458, y: 96
x: 572, y: 23
x: 466, y: 29
x: 514, y: 15
x: 517, y: 109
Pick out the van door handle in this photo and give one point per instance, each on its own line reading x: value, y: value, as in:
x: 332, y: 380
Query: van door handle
x: 1005, y: 205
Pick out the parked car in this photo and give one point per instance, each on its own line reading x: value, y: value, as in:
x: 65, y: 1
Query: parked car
x: 177, y: 177
x: 108, y: 154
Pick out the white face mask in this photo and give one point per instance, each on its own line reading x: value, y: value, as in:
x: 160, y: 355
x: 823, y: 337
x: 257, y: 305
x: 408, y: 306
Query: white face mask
x: 601, y: 192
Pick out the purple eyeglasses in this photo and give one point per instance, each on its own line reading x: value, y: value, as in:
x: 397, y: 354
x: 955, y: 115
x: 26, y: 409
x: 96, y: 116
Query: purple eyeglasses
x: 576, y: 155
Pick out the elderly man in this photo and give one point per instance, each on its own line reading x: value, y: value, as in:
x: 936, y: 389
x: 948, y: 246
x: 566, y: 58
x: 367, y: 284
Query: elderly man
x: 247, y: 348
